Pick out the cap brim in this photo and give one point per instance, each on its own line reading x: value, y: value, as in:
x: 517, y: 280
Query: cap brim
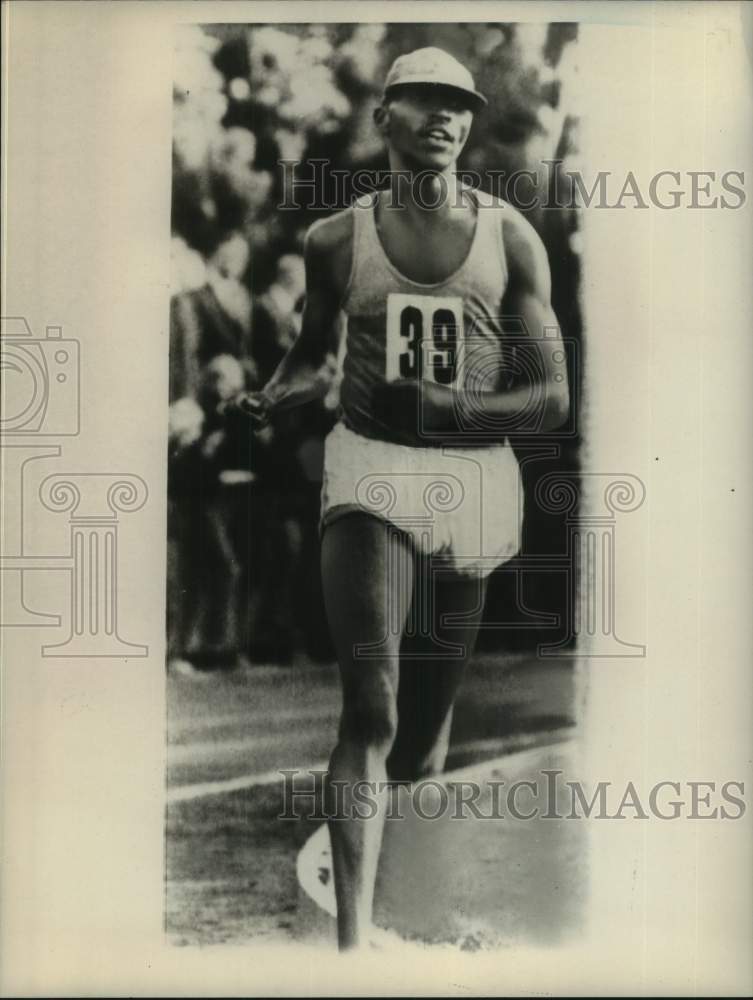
x: 476, y: 101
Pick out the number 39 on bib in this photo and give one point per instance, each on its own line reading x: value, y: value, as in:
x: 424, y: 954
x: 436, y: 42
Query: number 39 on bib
x: 424, y: 337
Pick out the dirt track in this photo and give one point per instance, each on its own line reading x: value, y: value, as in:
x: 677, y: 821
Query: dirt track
x: 230, y: 860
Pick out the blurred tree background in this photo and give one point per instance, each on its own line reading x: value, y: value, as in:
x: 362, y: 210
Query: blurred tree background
x: 249, y: 96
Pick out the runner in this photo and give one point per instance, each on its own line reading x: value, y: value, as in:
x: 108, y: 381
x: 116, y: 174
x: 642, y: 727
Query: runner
x: 421, y: 495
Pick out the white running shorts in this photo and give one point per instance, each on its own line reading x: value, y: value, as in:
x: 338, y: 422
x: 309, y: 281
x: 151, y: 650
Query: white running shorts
x: 463, y: 506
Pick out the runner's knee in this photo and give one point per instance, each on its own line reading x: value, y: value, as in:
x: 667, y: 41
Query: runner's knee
x: 409, y: 765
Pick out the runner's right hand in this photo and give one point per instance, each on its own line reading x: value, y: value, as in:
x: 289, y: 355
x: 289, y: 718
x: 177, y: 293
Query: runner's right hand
x: 253, y: 405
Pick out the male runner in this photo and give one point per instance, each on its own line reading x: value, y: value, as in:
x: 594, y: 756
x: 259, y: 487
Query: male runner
x: 423, y: 272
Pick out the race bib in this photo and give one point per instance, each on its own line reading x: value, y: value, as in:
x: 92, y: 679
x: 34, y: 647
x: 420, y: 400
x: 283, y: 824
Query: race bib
x: 424, y: 337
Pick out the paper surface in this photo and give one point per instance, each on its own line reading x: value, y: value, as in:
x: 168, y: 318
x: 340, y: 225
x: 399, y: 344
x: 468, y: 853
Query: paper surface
x: 667, y: 305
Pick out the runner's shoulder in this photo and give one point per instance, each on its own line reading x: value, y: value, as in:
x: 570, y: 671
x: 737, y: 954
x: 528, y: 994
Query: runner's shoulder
x: 517, y: 231
x: 328, y: 248
x: 486, y: 200
x: 524, y: 248
x: 328, y: 236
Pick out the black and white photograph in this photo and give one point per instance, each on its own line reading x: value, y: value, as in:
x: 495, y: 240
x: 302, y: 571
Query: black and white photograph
x: 374, y: 444
x: 355, y: 542
x: 383, y: 576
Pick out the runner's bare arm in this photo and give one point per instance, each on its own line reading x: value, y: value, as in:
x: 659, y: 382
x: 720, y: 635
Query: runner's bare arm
x: 527, y: 304
x: 545, y: 392
x: 307, y: 370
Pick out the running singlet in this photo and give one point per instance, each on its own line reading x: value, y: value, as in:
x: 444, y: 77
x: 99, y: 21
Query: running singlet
x: 449, y: 332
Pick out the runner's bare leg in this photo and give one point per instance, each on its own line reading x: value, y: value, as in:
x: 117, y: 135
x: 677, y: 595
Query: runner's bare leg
x: 429, y: 684
x: 367, y: 575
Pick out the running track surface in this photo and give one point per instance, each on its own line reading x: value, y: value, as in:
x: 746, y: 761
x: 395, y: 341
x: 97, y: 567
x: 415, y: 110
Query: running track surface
x: 231, y: 862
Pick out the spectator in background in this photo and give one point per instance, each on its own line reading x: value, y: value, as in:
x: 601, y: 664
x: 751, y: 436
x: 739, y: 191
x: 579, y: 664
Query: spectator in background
x: 213, y: 319
x: 210, y: 472
x: 276, y: 314
x: 289, y: 465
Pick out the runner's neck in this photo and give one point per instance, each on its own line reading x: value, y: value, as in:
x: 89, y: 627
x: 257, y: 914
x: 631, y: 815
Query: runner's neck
x: 423, y: 194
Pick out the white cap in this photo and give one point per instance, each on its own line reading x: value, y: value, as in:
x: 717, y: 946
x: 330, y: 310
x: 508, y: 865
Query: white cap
x: 436, y: 67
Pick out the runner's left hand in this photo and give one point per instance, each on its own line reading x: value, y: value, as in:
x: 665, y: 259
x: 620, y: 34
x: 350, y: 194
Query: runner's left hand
x: 411, y: 405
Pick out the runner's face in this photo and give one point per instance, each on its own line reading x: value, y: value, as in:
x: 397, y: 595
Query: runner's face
x: 428, y: 125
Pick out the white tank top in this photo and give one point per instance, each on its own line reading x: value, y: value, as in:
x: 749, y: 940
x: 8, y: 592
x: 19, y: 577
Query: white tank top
x: 449, y: 332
